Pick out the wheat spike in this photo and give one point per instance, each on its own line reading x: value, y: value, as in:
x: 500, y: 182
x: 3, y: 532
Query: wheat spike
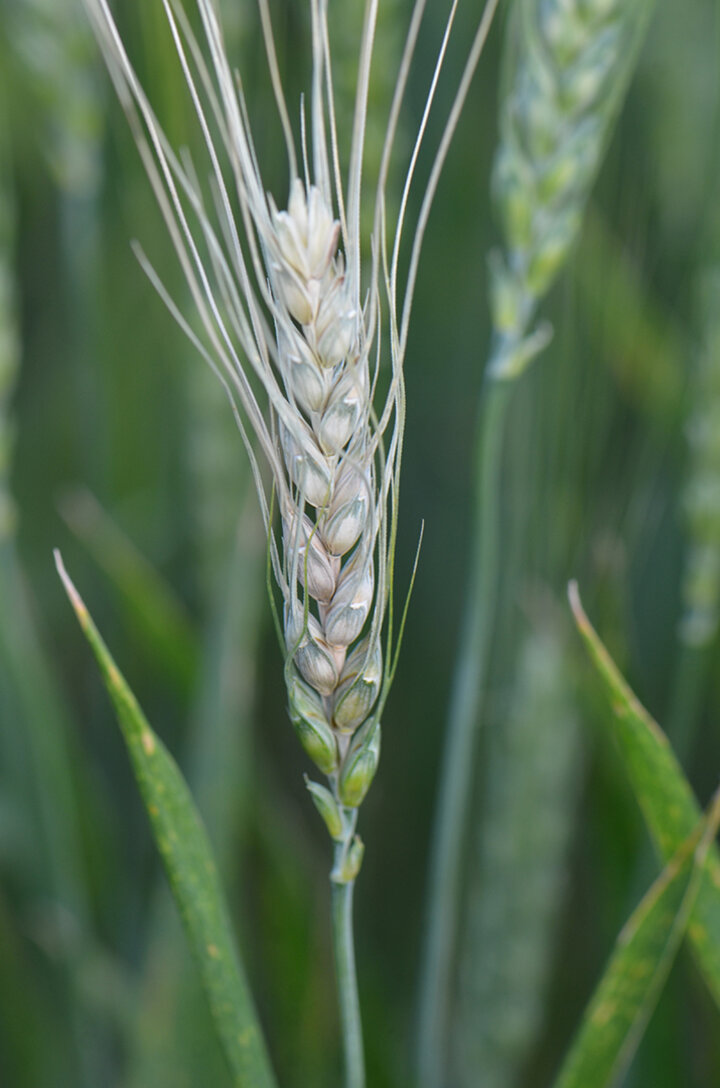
x: 568, y: 63
x: 297, y: 326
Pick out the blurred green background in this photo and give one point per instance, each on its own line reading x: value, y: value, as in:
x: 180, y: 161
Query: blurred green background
x: 117, y: 446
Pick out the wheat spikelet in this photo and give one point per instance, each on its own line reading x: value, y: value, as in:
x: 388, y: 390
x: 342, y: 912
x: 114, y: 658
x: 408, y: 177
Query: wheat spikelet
x: 701, y: 581
x: 569, y: 64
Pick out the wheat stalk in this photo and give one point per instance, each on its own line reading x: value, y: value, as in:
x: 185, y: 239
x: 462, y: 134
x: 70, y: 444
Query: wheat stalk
x: 567, y: 66
x: 297, y: 327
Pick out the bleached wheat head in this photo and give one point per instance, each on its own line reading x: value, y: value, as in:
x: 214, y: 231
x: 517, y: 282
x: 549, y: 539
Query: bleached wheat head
x: 286, y: 307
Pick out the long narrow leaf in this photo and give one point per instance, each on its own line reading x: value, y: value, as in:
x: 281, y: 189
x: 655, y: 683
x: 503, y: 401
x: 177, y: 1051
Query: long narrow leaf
x: 163, y: 1053
x: 187, y: 857
x: 663, y: 793
x: 621, y: 1006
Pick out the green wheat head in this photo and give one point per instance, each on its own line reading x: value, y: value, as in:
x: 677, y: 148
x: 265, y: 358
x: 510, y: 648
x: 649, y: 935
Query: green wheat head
x: 568, y: 63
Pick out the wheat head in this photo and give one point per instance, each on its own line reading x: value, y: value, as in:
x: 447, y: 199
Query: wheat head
x: 568, y: 63
x: 303, y: 336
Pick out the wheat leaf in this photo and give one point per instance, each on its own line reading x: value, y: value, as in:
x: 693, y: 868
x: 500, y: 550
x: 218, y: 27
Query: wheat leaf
x: 626, y: 995
x: 186, y: 854
x: 663, y: 793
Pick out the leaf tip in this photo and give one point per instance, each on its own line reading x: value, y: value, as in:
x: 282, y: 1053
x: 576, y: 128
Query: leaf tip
x: 60, y: 566
x: 73, y: 595
x: 578, y: 611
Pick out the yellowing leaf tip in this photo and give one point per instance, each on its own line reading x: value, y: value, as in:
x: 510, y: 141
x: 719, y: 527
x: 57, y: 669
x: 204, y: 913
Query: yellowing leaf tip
x: 75, y: 599
x: 573, y: 593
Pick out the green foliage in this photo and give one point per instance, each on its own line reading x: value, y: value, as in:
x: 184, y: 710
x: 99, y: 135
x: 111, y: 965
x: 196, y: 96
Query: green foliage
x: 645, y: 949
x: 51, y: 45
x: 517, y: 874
x: 701, y: 583
x: 164, y: 1051
x: 667, y: 801
x: 603, y: 476
x: 186, y: 854
x: 9, y: 346
x: 159, y: 620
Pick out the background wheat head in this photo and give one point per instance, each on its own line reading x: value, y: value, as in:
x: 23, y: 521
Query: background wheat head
x: 568, y: 63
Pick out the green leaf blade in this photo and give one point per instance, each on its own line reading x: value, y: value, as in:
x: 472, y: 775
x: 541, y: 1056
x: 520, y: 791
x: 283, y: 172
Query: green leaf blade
x: 668, y: 803
x: 645, y: 949
x: 187, y: 857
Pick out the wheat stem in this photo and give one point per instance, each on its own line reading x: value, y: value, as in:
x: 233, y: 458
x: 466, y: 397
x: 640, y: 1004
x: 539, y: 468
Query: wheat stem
x: 570, y: 68
x: 456, y: 778
x: 346, y: 975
